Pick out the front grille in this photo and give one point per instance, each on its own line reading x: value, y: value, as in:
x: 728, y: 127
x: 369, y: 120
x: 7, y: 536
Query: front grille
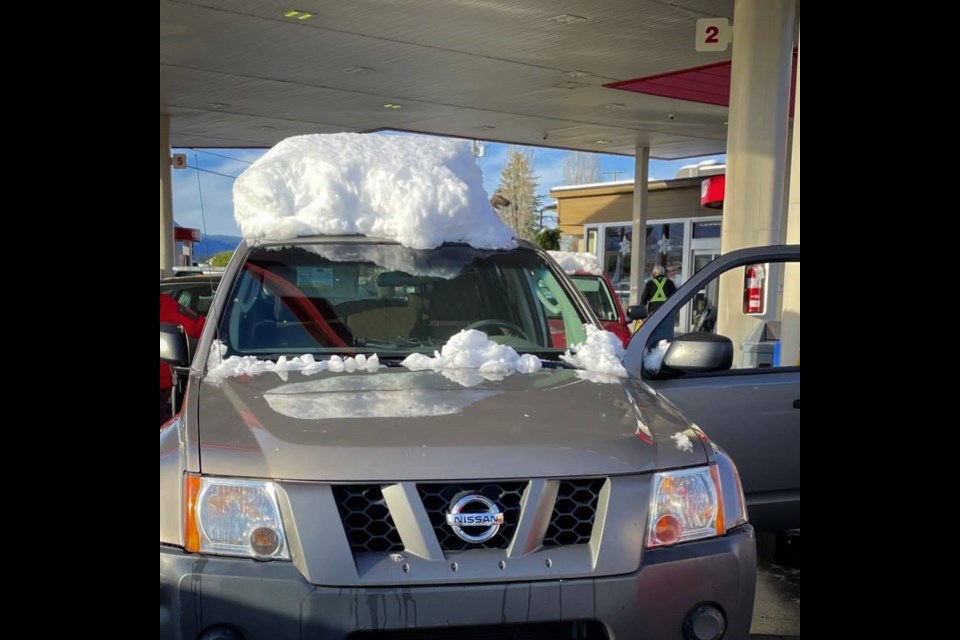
x: 579, y: 630
x: 437, y: 499
x: 366, y: 519
x: 574, y: 512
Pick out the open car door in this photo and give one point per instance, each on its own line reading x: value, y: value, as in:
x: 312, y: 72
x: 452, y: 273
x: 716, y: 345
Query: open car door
x: 746, y: 397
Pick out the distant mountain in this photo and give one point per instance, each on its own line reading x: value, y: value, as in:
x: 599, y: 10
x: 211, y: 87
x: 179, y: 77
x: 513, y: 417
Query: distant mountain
x: 214, y: 244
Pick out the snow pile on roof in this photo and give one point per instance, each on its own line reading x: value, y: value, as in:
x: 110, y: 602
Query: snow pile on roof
x: 472, y: 349
x: 601, y: 353
x: 653, y: 359
x: 235, y: 366
x: 420, y: 191
x: 573, y: 262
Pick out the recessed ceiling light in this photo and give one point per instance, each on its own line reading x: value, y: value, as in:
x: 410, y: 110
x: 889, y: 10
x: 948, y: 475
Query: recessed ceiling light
x: 575, y: 74
x: 570, y: 84
x: 614, y: 105
x: 217, y: 105
x: 392, y: 105
x: 567, y: 18
x: 601, y: 142
x: 357, y: 70
x: 296, y: 14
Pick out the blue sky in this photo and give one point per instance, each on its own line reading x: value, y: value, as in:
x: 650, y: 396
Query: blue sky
x: 218, y: 167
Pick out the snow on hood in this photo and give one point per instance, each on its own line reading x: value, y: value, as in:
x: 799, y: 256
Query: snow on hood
x: 472, y: 349
x: 602, y: 353
x: 236, y: 366
x: 469, y: 350
x: 573, y: 262
x: 417, y: 190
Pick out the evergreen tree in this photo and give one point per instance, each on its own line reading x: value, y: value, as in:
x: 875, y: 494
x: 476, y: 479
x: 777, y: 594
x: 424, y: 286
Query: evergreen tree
x: 518, y: 184
x: 549, y: 239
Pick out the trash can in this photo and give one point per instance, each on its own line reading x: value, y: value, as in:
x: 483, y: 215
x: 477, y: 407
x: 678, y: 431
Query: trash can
x: 762, y: 347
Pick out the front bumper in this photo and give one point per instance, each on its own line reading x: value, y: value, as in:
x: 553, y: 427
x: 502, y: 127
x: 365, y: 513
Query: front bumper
x: 272, y: 600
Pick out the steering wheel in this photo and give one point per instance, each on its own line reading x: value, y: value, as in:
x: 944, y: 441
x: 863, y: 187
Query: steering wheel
x: 498, y: 324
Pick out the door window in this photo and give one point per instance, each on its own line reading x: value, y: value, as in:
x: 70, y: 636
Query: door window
x: 751, y: 328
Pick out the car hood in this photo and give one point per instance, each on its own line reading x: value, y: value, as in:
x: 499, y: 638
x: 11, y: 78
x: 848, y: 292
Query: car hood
x: 399, y: 425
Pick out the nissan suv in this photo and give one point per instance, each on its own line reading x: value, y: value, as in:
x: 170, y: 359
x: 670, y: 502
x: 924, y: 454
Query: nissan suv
x: 316, y: 485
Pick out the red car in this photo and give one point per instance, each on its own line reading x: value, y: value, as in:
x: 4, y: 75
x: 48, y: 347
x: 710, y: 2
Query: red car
x: 599, y: 292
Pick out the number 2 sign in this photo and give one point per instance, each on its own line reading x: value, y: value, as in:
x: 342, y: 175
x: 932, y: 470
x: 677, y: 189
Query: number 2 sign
x: 713, y: 34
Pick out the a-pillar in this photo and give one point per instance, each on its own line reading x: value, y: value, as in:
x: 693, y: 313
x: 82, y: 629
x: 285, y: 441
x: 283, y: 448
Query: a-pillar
x: 638, y: 245
x: 753, y: 208
x: 166, y: 199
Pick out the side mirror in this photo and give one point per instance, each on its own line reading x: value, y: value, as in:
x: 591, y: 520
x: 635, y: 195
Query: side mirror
x: 637, y: 312
x: 699, y: 352
x: 173, y: 345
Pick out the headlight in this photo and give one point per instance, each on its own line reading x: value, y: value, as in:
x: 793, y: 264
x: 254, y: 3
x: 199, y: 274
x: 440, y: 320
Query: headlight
x: 685, y: 505
x: 233, y: 517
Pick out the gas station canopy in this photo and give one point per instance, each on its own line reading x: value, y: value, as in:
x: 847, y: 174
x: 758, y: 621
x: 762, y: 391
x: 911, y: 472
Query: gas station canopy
x: 248, y: 73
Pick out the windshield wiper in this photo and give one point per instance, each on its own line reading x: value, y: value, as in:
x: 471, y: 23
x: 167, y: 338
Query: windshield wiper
x: 397, y: 343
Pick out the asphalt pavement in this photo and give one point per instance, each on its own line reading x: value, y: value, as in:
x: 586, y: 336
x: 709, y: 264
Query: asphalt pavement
x: 776, y: 612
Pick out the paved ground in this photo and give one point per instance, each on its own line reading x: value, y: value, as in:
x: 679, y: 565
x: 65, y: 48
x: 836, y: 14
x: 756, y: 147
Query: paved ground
x: 776, y: 613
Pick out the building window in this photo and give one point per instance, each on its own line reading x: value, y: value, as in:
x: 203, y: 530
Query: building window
x: 665, y: 248
x: 616, y: 253
x: 592, y: 240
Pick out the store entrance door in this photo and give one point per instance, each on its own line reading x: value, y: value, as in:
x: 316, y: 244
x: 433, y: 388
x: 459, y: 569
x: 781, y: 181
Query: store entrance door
x: 703, y: 309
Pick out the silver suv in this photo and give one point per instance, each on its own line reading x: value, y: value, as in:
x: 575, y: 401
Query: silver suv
x: 369, y: 501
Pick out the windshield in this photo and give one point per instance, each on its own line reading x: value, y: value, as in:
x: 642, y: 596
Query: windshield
x: 595, y: 290
x: 391, y: 300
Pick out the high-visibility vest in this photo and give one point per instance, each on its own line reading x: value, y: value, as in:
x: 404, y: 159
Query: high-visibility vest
x: 659, y: 295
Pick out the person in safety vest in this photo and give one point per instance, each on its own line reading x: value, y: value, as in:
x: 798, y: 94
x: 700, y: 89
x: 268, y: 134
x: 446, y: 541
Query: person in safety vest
x: 657, y: 290
x: 192, y: 324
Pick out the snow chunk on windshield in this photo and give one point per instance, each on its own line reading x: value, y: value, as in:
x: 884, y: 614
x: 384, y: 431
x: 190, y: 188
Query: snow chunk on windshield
x: 601, y: 353
x: 573, y: 262
x: 473, y: 349
x: 653, y: 359
x: 236, y: 366
x: 417, y: 190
